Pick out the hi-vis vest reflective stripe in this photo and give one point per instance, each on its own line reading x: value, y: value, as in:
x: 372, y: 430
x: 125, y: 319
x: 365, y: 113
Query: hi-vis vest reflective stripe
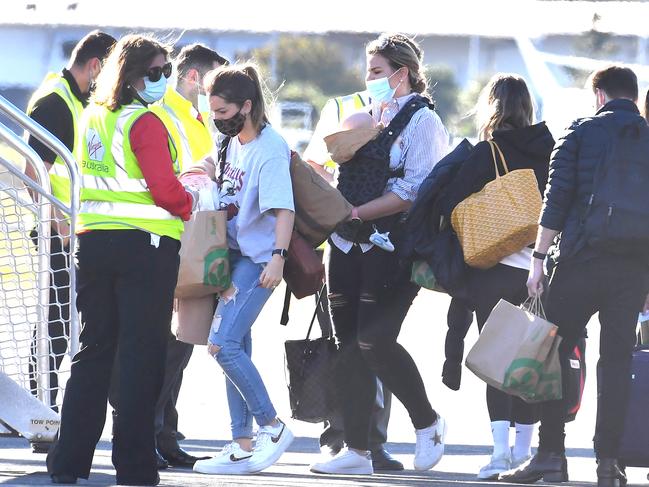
x: 56, y: 83
x: 188, y: 133
x: 114, y: 193
x: 346, y: 105
x: 349, y: 104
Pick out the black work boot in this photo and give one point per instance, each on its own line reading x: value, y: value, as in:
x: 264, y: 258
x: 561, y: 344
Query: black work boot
x: 552, y: 467
x: 609, y: 473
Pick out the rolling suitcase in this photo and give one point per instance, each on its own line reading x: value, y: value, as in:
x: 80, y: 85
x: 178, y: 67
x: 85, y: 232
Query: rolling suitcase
x: 634, y: 447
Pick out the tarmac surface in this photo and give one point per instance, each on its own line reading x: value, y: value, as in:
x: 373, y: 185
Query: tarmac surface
x: 204, y: 416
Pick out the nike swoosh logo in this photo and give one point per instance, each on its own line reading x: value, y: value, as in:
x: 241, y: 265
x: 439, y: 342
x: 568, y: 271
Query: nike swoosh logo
x: 276, y: 439
x: 235, y: 459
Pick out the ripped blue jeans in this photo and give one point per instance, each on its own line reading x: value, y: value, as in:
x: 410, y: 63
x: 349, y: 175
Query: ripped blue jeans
x: 231, y: 331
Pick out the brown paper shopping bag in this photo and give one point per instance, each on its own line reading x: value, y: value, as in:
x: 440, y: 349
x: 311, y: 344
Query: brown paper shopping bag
x: 194, y: 319
x: 517, y: 352
x: 204, y: 264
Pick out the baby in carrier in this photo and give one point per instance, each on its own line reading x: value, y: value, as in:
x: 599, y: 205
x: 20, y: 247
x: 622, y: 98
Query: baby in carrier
x: 363, y: 120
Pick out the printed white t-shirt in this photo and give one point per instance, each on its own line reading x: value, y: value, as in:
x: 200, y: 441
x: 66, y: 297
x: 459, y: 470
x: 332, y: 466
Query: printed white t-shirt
x: 256, y: 180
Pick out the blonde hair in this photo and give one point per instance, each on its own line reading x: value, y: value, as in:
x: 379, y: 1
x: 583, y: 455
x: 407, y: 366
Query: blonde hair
x: 401, y: 51
x: 128, y: 61
x: 237, y: 83
x: 504, y: 103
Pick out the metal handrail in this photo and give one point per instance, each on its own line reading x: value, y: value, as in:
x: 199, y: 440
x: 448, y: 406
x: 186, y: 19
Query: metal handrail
x: 43, y: 188
x: 43, y: 235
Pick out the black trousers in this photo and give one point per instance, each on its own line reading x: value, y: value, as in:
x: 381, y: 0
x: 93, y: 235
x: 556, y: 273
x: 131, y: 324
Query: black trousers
x: 125, y: 293
x: 334, y: 432
x: 166, y: 415
x: 615, y: 286
x: 58, y: 319
x: 486, y: 288
x: 367, y: 312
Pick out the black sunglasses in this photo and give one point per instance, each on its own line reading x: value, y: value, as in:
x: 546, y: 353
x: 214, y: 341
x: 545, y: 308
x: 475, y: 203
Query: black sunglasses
x: 154, y: 74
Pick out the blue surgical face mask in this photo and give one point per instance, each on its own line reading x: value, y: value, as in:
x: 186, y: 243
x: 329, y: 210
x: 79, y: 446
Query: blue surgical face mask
x: 203, y: 103
x: 153, y: 90
x: 380, y: 90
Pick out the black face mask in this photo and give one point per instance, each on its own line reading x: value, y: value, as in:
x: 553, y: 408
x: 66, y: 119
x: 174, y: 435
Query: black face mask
x: 231, y: 126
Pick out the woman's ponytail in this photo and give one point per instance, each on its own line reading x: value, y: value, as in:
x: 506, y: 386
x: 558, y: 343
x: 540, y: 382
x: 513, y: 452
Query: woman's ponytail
x: 259, y: 111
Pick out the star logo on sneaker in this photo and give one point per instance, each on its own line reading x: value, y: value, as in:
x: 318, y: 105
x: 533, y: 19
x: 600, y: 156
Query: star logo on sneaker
x: 437, y: 439
x: 235, y: 459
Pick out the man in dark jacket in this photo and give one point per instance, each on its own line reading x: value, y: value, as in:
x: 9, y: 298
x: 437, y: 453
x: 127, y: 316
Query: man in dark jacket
x: 588, y: 279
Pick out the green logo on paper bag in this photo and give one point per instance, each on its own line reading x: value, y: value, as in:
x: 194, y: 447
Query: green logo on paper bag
x: 422, y: 275
x: 216, y: 270
x: 526, y: 378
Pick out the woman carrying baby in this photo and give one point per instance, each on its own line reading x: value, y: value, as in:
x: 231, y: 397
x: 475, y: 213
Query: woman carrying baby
x: 369, y: 295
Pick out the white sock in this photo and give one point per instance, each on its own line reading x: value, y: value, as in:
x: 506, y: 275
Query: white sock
x: 500, y: 432
x: 523, y: 443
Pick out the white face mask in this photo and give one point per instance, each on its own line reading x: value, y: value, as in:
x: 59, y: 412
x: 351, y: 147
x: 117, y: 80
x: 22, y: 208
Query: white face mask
x: 380, y: 90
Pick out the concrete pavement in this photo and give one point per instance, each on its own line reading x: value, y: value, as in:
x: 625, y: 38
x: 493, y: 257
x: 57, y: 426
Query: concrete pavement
x: 204, y: 417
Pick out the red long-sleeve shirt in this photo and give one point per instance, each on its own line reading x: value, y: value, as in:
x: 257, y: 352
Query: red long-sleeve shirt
x: 149, y: 144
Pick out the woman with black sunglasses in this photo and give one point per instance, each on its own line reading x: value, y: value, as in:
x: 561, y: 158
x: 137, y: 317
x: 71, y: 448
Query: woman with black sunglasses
x: 129, y: 225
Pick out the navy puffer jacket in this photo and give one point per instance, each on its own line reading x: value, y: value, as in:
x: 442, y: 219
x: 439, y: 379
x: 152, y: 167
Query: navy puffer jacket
x: 572, y: 170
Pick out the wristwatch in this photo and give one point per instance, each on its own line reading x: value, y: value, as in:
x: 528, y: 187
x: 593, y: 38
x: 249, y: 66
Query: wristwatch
x: 283, y: 253
x: 539, y: 255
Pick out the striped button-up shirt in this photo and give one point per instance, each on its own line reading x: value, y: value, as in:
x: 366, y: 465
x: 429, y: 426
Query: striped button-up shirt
x: 420, y: 146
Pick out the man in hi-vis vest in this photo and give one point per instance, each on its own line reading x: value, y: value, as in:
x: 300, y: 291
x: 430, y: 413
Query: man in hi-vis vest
x: 57, y: 105
x: 316, y: 155
x: 185, y: 112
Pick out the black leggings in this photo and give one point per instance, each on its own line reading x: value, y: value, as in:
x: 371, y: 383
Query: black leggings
x: 367, y: 316
x: 486, y: 288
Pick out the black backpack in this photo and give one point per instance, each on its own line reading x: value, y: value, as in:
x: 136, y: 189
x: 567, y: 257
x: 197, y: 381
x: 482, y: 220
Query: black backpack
x: 616, y: 218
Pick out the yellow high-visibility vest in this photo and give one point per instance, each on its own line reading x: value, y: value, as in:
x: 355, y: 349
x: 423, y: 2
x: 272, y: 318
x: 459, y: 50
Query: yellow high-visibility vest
x: 191, y: 137
x: 114, y: 194
x: 56, y: 83
x: 346, y: 105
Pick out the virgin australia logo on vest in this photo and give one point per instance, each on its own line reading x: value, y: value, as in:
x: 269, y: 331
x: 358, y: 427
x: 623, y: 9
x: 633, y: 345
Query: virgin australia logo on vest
x: 96, y: 152
x: 95, y: 147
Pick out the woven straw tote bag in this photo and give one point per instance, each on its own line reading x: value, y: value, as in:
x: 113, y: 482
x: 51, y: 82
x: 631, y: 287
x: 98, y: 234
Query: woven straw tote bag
x: 500, y: 219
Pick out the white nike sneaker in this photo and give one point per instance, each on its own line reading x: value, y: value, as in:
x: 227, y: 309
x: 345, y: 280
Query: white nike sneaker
x: 271, y: 442
x: 382, y: 240
x: 430, y: 445
x: 231, y: 460
x: 495, y: 467
x: 347, y: 462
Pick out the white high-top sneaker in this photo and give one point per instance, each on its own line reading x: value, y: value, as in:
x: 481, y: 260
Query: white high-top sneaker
x: 430, y: 445
x: 346, y: 462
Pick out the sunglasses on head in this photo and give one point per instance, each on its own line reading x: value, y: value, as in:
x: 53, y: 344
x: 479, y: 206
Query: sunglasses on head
x: 154, y: 74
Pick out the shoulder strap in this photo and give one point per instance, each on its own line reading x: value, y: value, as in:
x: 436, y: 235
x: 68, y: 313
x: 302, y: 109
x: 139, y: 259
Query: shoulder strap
x: 287, y: 304
x: 319, y: 297
x: 494, y: 148
x: 223, y: 152
x: 387, y: 137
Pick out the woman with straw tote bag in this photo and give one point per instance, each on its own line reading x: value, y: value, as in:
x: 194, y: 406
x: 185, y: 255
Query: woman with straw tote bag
x: 495, y: 199
x: 502, y: 218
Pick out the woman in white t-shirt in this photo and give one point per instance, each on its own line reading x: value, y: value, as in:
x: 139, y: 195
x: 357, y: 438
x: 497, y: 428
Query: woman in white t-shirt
x: 255, y: 188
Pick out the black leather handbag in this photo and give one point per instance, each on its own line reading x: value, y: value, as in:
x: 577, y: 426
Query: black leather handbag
x: 311, y: 367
